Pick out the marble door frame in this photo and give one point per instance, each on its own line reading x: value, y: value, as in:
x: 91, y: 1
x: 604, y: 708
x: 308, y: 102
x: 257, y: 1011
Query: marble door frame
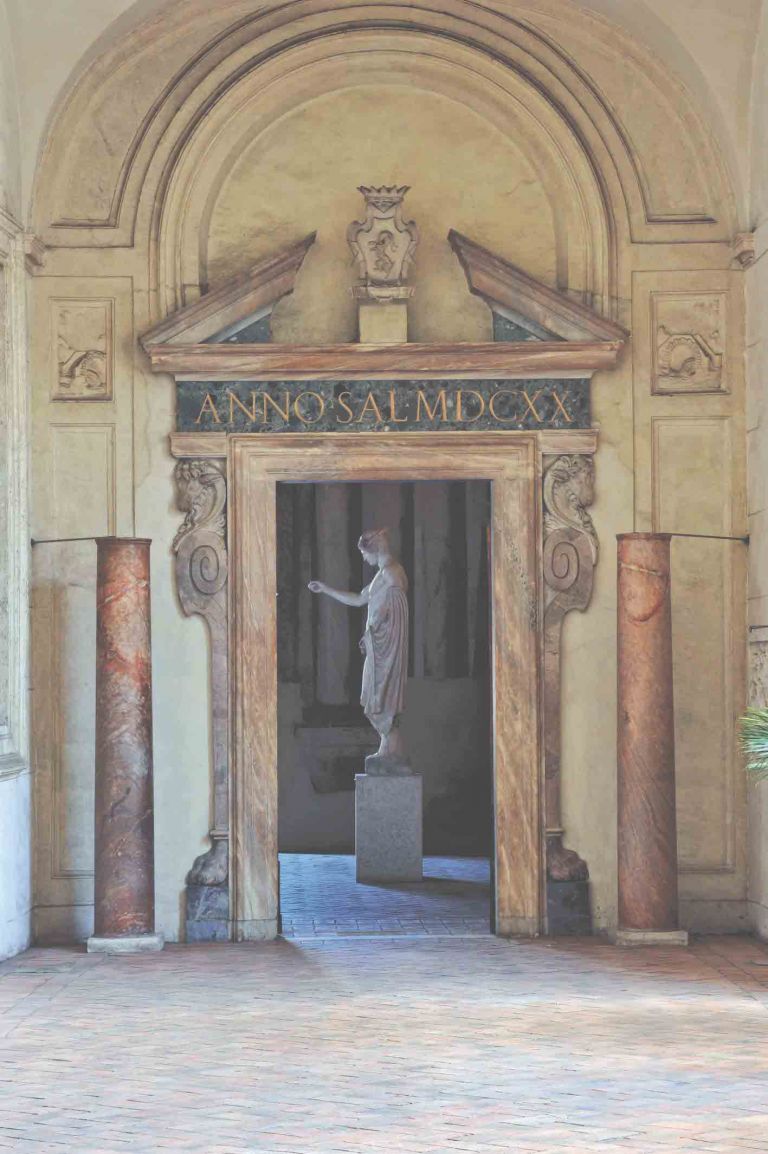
x: 510, y: 461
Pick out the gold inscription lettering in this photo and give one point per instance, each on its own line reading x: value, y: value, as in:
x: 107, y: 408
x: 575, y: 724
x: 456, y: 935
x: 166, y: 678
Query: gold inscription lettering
x: 370, y: 403
x: 297, y: 408
x: 284, y: 413
x: 209, y: 407
x: 440, y: 403
x: 492, y: 408
x: 343, y: 404
x: 532, y: 403
x: 460, y: 405
x: 235, y: 400
x: 559, y: 404
x: 393, y: 410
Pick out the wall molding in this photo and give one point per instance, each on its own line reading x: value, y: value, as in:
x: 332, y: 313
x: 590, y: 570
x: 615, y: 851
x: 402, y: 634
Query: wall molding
x: 14, y: 731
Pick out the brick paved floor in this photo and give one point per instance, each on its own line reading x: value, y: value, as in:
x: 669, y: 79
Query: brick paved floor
x: 386, y: 1045
x: 319, y: 896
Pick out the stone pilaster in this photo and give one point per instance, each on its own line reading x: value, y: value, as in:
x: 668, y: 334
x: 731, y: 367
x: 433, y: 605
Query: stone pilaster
x: 201, y: 581
x: 570, y: 556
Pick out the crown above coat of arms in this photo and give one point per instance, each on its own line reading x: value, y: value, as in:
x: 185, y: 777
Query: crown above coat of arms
x: 384, y: 198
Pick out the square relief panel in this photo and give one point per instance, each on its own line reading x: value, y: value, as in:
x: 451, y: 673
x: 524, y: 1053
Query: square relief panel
x: 688, y: 339
x: 82, y: 342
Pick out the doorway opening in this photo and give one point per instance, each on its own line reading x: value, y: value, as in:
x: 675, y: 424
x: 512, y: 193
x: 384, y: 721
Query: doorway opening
x: 256, y: 464
x: 439, y: 529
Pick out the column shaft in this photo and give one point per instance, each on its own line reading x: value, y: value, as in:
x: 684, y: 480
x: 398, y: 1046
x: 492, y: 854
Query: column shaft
x: 647, y: 833
x: 124, y: 871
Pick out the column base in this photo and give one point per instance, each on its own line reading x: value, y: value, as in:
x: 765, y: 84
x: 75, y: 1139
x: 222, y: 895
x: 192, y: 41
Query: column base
x: 126, y: 944
x: 651, y: 938
x: 388, y: 828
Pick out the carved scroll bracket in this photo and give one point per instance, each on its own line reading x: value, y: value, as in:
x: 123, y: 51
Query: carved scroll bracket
x: 569, y: 558
x: 201, y: 581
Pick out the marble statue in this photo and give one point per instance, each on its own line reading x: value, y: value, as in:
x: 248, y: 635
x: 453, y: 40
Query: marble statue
x: 385, y: 646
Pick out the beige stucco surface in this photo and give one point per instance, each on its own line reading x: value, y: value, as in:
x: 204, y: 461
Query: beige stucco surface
x: 757, y: 440
x: 262, y: 167
x: 708, y: 46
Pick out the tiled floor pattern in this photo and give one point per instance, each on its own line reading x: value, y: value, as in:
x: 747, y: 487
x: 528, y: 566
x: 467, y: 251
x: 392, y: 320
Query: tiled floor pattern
x: 420, y: 1045
x: 319, y: 896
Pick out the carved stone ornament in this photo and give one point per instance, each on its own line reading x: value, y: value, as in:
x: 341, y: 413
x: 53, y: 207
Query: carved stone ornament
x: 201, y: 580
x: 570, y: 556
x: 83, y: 332
x: 689, y: 335
x: 383, y: 244
x: 569, y: 488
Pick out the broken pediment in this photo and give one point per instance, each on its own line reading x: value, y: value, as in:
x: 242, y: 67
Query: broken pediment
x: 538, y: 332
x: 237, y: 311
x: 523, y: 308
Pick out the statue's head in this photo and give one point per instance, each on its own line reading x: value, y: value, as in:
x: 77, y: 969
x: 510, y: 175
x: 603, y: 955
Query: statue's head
x: 373, y: 544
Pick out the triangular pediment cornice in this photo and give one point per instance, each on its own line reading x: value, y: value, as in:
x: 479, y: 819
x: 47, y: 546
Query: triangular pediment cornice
x: 198, y: 343
x: 238, y: 300
x: 510, y: 291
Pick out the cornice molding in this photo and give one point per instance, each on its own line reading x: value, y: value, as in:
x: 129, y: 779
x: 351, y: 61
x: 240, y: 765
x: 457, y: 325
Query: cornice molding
x: 551, y: 442
x: 265, y: 362
x: 501, y: 283
x: 256, y: 290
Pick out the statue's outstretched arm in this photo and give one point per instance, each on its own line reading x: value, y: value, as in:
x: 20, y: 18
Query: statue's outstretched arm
x: 353, y: 599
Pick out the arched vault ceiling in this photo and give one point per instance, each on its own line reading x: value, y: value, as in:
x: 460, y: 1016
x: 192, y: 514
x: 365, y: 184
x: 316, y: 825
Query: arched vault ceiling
x: 706, y: 44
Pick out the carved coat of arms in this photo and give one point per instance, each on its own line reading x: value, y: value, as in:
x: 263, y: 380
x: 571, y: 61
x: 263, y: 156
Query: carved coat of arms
x: 383, y: 244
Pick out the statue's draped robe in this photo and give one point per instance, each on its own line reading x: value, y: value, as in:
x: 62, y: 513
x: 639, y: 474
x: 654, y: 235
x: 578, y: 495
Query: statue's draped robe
x: 385, y: 644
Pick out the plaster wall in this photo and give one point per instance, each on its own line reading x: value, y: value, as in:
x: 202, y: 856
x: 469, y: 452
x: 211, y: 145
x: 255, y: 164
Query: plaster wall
x: 757, y: 438
x: 709, y: 47
x: 10, y: 146
x: 15, y: 804
x: 15, y: 872
x: 257, y: 173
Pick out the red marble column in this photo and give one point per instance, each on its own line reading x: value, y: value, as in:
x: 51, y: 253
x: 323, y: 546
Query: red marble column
x: 124, y: 869
x: 647, y: 832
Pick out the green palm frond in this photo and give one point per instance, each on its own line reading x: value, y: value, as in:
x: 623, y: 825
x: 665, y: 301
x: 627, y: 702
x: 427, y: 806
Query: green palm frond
x: 753, y: 736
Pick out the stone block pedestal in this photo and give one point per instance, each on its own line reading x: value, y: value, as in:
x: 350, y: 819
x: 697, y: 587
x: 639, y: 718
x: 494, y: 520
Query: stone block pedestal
x: 568, y: 908
x: 388, y: 828
x: 207, y: 913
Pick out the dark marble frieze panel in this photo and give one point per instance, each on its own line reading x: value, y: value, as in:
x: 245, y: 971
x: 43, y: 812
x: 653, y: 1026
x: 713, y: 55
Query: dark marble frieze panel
x: 569, y: 558
x: 505, y: 329
x: 201, y: 581
x: 385, y: 406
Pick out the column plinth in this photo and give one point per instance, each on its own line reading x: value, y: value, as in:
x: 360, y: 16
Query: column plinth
x: 124, y: 904
x: 647, y: 829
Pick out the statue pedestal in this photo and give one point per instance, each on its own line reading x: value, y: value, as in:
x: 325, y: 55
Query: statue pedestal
x: 388, y: 827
